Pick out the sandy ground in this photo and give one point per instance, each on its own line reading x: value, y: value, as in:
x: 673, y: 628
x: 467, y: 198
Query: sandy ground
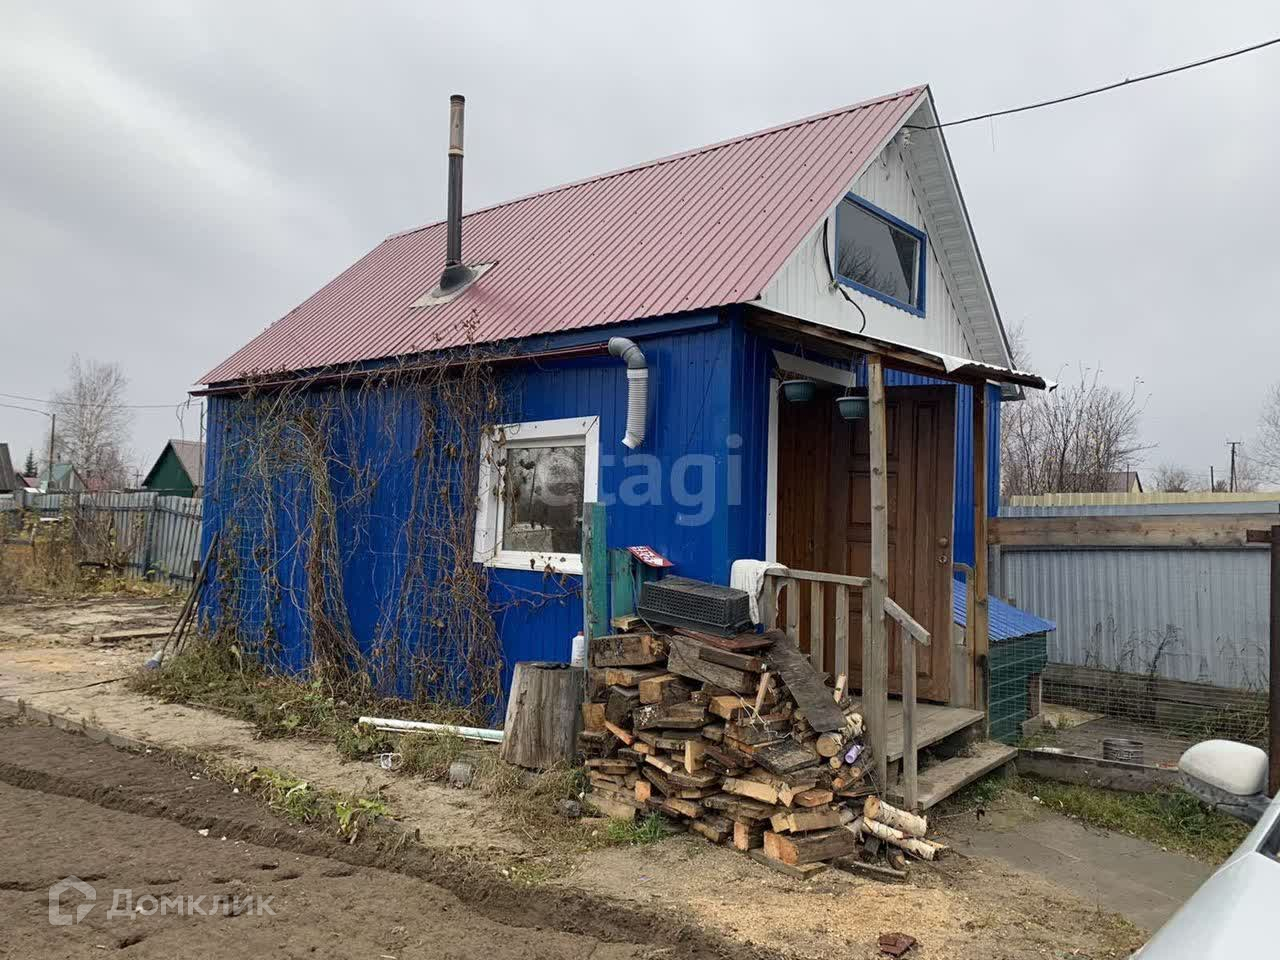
x: 317, y: 906
x: 966, y: 907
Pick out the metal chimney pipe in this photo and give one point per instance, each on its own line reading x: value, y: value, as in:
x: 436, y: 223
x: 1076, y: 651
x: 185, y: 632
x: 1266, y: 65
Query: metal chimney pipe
x: 455, y: 273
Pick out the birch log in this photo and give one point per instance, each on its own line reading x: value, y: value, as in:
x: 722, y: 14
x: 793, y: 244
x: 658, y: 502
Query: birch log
x: 909, y: 823
x: 924, y: 849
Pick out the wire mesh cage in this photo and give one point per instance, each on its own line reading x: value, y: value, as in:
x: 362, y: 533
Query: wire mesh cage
x: 682, y: 602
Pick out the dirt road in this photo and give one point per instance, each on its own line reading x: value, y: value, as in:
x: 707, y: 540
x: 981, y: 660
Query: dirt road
x: 676, y: 891
x: 315, y: 906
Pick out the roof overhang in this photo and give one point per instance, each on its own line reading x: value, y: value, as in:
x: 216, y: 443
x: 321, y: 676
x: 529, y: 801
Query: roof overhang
x: 900, y: 356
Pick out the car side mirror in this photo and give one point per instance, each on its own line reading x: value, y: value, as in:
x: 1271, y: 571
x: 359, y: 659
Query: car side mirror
x: 1228, y: 776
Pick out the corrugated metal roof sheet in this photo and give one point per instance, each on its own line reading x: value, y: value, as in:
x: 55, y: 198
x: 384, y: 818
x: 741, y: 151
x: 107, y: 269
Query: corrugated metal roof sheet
x: 1006, y: 621
x: 700, y: 229
x: 191, y: 455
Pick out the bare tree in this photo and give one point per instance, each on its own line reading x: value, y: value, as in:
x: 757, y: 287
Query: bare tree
x: 93, y: 423
x: 1170, y: 478
x: 1249, y: 473
x: 1266, y: 458
x: 1019, y: 352
x: 1071, y: 440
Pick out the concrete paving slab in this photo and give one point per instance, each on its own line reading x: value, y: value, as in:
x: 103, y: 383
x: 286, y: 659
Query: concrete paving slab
x: 1134, y: 878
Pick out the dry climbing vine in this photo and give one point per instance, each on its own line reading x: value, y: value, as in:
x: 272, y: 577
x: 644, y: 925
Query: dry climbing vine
x: 347, y: 507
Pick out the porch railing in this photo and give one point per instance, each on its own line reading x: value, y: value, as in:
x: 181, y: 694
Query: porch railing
x: 875, y: 689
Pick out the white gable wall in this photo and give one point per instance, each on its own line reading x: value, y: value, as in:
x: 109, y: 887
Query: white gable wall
x: 802, y: 287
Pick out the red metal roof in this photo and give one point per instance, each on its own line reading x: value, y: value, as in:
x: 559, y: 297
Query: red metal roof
x: 700, y: 229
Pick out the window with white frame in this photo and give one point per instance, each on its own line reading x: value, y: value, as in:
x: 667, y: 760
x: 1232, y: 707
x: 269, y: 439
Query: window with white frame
x: 534, y: 479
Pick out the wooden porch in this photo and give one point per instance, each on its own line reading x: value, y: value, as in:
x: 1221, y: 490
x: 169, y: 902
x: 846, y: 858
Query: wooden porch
x: 852, y: 627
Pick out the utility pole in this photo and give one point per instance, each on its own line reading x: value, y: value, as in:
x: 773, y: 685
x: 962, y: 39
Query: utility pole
x: 1213, y: 484
x: 1233, y: 444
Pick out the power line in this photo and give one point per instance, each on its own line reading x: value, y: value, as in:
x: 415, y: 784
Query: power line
x: 1103, y: 89
x: 14, y: 406
x: 90, y: 403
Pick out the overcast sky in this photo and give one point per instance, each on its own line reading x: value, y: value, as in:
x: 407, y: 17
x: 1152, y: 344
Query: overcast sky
x: 173, y: 177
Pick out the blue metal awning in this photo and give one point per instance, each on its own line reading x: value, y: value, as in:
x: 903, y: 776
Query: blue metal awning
x: 1007, y: 621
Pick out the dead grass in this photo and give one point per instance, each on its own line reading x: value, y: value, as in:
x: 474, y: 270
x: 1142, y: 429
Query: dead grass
x: 529, y: 803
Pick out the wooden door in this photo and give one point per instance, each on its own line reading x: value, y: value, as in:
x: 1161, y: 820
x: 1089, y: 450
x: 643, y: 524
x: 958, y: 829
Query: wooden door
x: 824, y: 515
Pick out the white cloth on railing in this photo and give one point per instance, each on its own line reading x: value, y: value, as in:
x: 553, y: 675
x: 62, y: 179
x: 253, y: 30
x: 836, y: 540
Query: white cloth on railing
x: 749, y: 575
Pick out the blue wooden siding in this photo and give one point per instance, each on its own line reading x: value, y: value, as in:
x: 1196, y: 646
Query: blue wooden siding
x: 707, y: 432
x: 701, y: 513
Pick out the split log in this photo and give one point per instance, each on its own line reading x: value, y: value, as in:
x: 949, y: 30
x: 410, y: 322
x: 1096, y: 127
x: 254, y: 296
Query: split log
x: 763, y: 689
x: 593, y: 716
x: 623, y: 735
x: 543, y: 715
x: 727, y: 658
x: 628, y: 650
x: 812, y: 798
x: 684, y: 659
x: 622, y: 700
x: 667, y: 688
x: 630, y: 676
x: 909, y: 823
x: 924, y: 849
x: 613, y: 767
x: 715, y: 829
x: 727, y: 707
x: 681, y: 808
x: 809, y: 847
x: 694, y: 755
x: 801, y: 871
x: 764, y: 792
x: 803, y: 821
x: 747, y: 836
x: 612, y: 807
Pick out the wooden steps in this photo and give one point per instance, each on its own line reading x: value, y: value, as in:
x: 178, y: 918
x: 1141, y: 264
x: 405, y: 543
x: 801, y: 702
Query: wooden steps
x: 943, y: 779
x: 934, y: 722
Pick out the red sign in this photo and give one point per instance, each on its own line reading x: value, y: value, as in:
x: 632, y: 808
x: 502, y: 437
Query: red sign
x: 650, y: 557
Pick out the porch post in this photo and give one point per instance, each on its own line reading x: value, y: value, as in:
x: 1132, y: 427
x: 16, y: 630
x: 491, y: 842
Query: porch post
x: 978, y: 583
x: 875, y: 648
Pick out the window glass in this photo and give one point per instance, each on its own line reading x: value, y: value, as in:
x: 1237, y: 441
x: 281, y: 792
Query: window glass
x: 542, y: 495
x: 877, y: 254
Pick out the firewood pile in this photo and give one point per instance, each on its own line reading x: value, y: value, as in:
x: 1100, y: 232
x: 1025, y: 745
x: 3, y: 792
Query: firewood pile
x: 741, y: 740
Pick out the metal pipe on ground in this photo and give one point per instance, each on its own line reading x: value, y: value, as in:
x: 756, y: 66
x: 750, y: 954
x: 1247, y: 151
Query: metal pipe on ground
x: 392, y: 725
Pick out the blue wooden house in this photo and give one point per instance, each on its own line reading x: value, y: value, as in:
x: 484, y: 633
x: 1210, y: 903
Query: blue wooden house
x: 674, y: 341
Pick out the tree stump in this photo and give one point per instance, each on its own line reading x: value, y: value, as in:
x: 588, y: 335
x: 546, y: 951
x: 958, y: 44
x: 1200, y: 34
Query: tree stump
x: 543, y: 715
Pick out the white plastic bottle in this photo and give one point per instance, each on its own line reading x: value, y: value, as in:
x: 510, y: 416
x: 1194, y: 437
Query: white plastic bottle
x: 579, y: 656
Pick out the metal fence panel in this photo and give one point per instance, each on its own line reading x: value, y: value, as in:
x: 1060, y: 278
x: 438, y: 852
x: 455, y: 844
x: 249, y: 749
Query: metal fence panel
x: 1193, y: 615
x: 157, y: 536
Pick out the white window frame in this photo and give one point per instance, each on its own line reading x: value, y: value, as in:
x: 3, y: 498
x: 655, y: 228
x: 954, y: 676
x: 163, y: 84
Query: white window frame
x: 536, y: 433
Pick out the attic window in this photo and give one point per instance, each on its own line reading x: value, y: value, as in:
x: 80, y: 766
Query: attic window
x: 879, y: 254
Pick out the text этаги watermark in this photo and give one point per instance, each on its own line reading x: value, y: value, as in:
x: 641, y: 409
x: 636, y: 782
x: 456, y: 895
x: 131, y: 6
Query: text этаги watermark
x: 125, y: 906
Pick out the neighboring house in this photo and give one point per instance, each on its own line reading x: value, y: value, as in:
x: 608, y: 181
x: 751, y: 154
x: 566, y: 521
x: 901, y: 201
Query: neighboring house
x: 825, y: 250
x: 1122, y: 481
x: 178, y: 471
x: 66, y: 479
x: 10, y: 479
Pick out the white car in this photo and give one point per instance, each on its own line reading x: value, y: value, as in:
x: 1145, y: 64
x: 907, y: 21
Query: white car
x: 1230, y: 915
